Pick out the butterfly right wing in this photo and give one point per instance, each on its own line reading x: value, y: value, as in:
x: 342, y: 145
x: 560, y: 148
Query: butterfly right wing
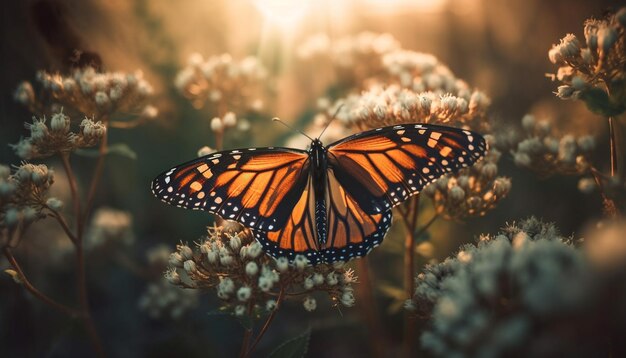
x: 257, y: 187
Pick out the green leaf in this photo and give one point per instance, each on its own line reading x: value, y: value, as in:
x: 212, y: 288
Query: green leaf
x: 293, y: 348
x: 120, y: 149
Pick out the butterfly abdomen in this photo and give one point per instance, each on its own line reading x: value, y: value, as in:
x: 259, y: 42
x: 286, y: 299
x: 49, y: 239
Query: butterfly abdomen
x: 320, y: 221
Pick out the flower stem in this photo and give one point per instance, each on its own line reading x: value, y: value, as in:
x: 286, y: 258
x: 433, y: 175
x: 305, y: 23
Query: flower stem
x: 90, y: 326
x: 78, y: 239
x: 65, y: 158
x: 369, y: 309
x: 267, y: 322
x: 613, y: 144
x: 33, y: 290
x: 94, y: 182
x: 410, y: 219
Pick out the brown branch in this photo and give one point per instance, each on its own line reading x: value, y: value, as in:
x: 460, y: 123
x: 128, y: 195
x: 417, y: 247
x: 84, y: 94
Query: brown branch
x: 55, y: 214
x: 90, y: 326
x: 73, y: 189
x: 95, y: 180
x: 367, y: 305
x: 247, y: 334
x: 613, y: 145
x: 267, y: 322
x: 34, y: 291
x: 610, y: 209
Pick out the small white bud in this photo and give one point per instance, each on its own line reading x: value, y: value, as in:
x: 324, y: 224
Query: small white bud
x: 60, y: 123
x: 254, y: 250
x: 149, y: 112
x: 185, y: 252
x: 332, y: 279
x: 102, y: 99
x: 252, y: 268
x: 173, y: 277
x: 12, y: 217
x: 586, y: 185
x: 24, y: 94
x: 456, y: 194
x: 54, y: 203
x: 528, y: 122
x: 176, y: 259
x: 282, y: 264
x: 308, y: 283
x: 235, y: 242
x: 347, y: 299
x: 216, y: 125
x: 318, y: 278
x: 301, y: 262
x: 230, y: 120
x: 240, y: 310
x: 204, y: 151
x: 270, y: 305
x: 244, y: 293
x: 309, y: 304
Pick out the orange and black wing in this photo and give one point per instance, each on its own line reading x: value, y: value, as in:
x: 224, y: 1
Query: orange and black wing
x: 298, y: 235
x: 257, y: 187
x: 383, y: 167
x: 352, y: 232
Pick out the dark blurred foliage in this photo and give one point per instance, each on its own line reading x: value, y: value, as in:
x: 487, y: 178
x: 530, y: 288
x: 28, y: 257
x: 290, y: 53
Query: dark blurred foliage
x: 498, y: 46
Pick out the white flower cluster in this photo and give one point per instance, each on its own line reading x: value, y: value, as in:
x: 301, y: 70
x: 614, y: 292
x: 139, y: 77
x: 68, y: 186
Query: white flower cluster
x: 546, y: 153
x: 354, y: 58
x: 247, y: 280
x: 383, y: 106
x: 47, y: 139
x: 91, y: 92
x: 595, y: 73
x: 162, y: 300
x: 110, y: 227
x: 24, y: 195
x: 510, y: 293
x: 472, y: 191
x: 223, y: 82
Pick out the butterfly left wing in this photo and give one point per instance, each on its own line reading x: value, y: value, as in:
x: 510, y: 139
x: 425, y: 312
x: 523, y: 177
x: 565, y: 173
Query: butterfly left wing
x: 298, y: 235
x: 383, y: 167
x: 257, y: 187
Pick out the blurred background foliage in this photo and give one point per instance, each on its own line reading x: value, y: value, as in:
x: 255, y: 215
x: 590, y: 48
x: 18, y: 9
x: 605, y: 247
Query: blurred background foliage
x: 499, y: 47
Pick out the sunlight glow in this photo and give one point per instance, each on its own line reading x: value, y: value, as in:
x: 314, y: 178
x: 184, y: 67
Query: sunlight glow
x: 284, y: 13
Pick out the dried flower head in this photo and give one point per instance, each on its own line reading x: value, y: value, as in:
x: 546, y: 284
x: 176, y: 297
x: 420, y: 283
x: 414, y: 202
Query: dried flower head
x: 231, y: 262
x: 546, y: 153
x: 55, y: 137
x: 354, y: 58
x: 595, y: 74
x: 109, y: 227
x: 90, y: 92
x: 223, y: 82
x: 24, y: 196
x: 164, y: 300
x: 510, y: 293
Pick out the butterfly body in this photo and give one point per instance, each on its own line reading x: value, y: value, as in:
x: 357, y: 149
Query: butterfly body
x: 329, y: 203
x: 319, y: 168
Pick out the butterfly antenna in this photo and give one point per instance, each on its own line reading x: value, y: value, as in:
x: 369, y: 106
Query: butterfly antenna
x: 331, y: 120
x: 276, y: 119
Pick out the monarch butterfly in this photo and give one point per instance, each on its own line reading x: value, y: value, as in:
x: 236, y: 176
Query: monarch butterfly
x: 329, y: 203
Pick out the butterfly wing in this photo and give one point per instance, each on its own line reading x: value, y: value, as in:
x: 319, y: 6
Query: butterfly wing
x: 383, y: 167
x: 298, y: 235
x: 257, y: 187
x: 351, y: 231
